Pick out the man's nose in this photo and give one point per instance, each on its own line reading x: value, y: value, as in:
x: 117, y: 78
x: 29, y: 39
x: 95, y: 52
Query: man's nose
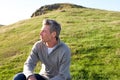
x: 40, y: 33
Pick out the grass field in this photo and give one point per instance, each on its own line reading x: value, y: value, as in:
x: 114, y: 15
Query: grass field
x: 92, y: 35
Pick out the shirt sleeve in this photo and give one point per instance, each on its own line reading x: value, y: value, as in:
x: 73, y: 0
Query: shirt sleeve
x: 31, y: 62
x: 64, y: 72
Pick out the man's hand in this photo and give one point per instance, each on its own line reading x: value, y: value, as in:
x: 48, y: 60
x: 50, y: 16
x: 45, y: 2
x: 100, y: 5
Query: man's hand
x: 32, y: 78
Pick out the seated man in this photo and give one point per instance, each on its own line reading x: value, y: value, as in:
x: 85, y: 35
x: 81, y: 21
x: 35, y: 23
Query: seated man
x: 53, y: 54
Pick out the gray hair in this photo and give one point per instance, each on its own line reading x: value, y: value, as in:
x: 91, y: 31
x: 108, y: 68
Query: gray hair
x: 54, y: 26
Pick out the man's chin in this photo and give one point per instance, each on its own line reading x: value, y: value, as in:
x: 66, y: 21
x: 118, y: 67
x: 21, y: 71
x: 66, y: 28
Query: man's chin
x: 41, y: 39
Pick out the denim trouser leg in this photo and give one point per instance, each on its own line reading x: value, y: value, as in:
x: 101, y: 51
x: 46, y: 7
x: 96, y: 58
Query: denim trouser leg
x: 21, y: 76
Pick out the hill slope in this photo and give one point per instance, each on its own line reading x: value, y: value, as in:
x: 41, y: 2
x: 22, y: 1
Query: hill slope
x: 93, y: 36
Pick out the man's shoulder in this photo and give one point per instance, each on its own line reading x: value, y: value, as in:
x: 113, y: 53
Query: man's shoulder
x: 64, y: 46
x: 64, y: 49
x: 38, y: 43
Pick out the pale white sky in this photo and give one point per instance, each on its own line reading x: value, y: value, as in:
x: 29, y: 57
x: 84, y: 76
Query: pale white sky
x: 12, y: 11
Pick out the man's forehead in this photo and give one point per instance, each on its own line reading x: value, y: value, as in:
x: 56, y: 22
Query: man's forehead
x: 44, y: 27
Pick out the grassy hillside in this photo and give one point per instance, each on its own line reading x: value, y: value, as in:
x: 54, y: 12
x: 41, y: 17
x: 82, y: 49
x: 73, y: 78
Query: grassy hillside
x: 93, y: 36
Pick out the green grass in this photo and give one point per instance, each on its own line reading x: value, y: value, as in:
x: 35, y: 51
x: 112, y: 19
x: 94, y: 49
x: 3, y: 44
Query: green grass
x: 92, y: 35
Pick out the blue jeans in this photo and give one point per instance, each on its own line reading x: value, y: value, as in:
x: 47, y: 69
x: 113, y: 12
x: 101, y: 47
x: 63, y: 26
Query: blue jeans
x: 21, y: 76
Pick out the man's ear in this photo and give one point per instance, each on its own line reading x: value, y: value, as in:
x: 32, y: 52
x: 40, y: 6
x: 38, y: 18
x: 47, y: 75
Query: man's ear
x: 54, y: 34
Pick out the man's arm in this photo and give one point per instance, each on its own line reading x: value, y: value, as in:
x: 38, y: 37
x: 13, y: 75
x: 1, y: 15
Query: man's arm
x: 31, y: 62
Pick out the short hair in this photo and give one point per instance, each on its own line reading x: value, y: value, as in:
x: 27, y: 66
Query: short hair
x: 54, y: 26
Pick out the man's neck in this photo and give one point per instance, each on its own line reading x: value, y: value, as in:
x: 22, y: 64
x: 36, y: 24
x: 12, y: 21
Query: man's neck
x: 51, y: 43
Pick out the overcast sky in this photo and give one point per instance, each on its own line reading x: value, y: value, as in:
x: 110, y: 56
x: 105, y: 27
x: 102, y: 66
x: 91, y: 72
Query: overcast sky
x: 12, y: 11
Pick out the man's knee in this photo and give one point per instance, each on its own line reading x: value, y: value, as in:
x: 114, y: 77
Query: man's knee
x: 19, y: 76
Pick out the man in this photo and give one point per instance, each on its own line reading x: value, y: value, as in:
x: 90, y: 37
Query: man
x: 53, y: 54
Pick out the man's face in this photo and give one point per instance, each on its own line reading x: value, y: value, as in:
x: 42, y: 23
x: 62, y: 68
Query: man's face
x: 45, y: 34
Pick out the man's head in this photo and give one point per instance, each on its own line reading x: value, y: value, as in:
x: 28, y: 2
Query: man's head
x: 50, y: 30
